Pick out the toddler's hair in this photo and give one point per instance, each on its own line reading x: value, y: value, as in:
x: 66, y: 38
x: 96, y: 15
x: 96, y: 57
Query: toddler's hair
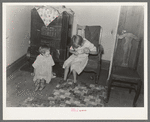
x: 77, y: 38
x: 43, y: 49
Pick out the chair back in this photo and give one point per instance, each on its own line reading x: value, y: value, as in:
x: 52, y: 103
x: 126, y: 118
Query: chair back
x: 91, y: 33
x: 94, y: 35
x: 126, y: 51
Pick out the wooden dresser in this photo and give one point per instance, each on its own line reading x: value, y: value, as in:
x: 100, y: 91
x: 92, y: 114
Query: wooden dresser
x: 57, y: 35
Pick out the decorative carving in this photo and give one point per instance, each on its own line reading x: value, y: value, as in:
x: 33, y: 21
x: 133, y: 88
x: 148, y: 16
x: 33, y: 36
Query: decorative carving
x: 49, y: 31
x: 127, y: 46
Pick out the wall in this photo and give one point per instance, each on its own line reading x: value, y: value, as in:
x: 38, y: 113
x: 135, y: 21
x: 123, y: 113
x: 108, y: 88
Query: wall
x: 105, y: 16
x: 18, y: 27
x: 17, y: 32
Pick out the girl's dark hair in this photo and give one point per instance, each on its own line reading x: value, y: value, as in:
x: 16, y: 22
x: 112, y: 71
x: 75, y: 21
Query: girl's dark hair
x: 77, y: 38
x: 43, y: 49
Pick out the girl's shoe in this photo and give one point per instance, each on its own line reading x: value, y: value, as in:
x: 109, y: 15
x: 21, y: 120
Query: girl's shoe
x: 74, y: 85
x: 62, y: 81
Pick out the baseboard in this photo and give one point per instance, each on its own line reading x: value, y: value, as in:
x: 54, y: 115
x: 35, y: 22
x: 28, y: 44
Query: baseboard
x: 16, y: 65
x: 105, y: 64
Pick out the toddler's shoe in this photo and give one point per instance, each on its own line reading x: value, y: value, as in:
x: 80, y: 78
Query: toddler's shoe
x: 37, y: 86
x: 42, y: 86
x: 36, y: 83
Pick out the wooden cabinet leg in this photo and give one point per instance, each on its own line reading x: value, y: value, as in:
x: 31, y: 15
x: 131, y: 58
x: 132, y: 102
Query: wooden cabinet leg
x: 137, y: 93
x: 96, y: 79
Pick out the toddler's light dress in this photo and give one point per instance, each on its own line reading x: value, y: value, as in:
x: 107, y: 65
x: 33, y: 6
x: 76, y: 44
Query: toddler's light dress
x: 43, y: 66
x: 79, y: 62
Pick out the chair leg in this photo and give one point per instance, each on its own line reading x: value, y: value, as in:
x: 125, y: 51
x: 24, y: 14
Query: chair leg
x: 97, y: 76
x: 137, y: 93
x: 130, y: 89
x: 108, y: 90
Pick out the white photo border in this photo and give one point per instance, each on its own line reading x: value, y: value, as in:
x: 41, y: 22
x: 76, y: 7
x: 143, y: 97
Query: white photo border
x: 63, y: 113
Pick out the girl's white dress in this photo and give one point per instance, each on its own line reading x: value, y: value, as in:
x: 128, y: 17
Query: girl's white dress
x: 79, y: 62
x: 43, y: 66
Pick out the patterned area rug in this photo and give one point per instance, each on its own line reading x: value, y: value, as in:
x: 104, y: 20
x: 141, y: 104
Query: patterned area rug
x: 83, y: 95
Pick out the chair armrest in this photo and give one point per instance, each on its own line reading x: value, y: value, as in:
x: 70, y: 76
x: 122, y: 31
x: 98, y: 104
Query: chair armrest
x: 97, y: 51
x: 100, y: 51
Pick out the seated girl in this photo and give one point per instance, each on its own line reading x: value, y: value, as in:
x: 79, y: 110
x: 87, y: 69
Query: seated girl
x: 43, y: 68
x: 80, y: 50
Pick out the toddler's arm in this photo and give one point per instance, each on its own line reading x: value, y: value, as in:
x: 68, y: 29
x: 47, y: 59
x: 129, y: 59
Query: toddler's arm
x: 86, y: 50
x: 82, y: 51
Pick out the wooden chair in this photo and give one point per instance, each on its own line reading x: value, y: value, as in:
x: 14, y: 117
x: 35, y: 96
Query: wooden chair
x: 94, y: 35
x: 124, y: 67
